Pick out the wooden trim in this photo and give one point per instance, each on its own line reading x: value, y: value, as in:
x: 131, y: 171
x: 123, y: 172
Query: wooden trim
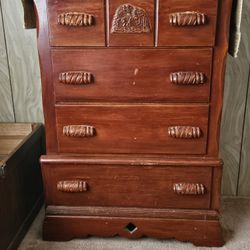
x: 124, y: 159
x: 133, y: 212
x: 199, y: 232
x: 219, y: 62
x: 46, y: 76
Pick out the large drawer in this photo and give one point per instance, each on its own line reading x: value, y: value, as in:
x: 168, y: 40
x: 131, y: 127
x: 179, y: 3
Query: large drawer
x: 78, y: 184
x: 156, y: 129
x: 76, y: 22
x: 187, y: 22
x: 176, y: 75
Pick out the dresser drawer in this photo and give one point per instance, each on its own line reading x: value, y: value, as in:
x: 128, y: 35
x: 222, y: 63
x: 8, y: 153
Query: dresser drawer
x: 124, y: 185
x: 187, y: 23
x: 131, y: 23
x: 76, y: 22
x: 157, y: 129
x: 174, y: 75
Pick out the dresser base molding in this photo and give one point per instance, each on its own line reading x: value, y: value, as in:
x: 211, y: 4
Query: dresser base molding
x: 163, y: 214
x: 199, y: 232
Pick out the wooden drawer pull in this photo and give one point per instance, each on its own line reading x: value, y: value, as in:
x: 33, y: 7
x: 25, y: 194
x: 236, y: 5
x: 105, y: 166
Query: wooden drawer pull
x: 75, y: 77
x: 72, y: 186
x: 184, y: 132
x: 187, y: 78
x: 76, y: 19
x: 187, y: 18
x: 79, y: 131
x: 189, y: 189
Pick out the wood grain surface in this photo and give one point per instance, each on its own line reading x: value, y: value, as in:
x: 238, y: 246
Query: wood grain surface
x: 198, y: 35
x: 130, y: 78
x: 27, y: 97
x: 75, y: 35
x: 23, y: 63
x: 135, y: 128
x: 6, y: 105
x: 235, y: 97
x: 244, y: 180
x: 126, y: 186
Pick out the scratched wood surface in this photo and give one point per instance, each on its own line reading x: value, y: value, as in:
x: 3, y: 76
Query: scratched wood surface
x: 23, y: 63
x: 6, y: 106
x: 244, y: 180
x: 24, y: 79
x: 235, y: 97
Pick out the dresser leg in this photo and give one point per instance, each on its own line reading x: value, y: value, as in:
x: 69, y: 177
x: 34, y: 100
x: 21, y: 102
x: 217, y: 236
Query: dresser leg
x: 199, y: 232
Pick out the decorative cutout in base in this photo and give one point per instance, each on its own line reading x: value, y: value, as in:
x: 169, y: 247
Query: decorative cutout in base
x: 131, y: 228
x: 199, y: 232
x: 130, y: 19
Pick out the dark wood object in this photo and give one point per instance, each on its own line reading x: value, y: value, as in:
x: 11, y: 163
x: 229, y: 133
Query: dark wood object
x: 132, y: 95
x: 21, y: 146
x: 29, y: 14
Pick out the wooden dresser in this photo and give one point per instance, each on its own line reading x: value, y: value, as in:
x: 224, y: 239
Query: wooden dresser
x: 132, y: 94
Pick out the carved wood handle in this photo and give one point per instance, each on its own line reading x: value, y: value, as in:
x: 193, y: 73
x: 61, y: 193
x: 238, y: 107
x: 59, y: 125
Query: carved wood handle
x: 75, y: 77
x: 187, y: 18
x: 184, y: 132
x: 189, y: 188
x: 187, y: 78
x: 76, y: 19
x: 72, y: 186
x: 79, y: 131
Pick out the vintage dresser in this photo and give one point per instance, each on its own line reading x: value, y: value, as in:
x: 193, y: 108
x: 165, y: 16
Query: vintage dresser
x: 132, y: 94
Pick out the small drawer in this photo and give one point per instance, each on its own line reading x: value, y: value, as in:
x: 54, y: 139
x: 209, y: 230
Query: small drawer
x: 172, y: 75
x: 156, y: 129
x: 76, y: 23
x: 187, y: 23
x: 72, y: 184
x: 131, y: 23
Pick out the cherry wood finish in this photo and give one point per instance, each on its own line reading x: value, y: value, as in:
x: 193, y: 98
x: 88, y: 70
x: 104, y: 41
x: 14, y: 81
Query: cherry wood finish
x: 185, y: 22
x: 135, y: 160
x: 131, y: 23
x: 76, y: 22
x: 114, y: 185
x: 117, y: 99
x: 199, y: 232
x: 138, y: 75
x: 197, y: 214
x: 135, y: 128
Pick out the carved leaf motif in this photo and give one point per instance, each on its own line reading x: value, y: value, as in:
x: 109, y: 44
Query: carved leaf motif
x: 75, y: 77
x: 187, y: 78
x: 188, y: 18
x: 130, y: 19
x: 184, y: 132
x: 76, y: 19
x: 72, y: 186
x: 189, y: 188
x: 79, y: 131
